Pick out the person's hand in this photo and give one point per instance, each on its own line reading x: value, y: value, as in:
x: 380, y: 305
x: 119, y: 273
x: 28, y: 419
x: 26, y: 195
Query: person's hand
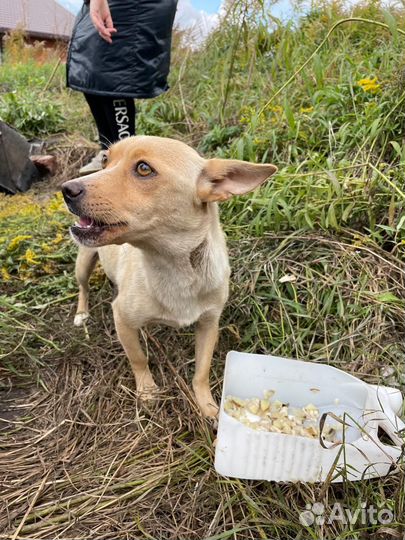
x: 101, y: 18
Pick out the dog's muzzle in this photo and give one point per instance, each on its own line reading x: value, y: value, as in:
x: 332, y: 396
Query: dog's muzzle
x: 73, y: 192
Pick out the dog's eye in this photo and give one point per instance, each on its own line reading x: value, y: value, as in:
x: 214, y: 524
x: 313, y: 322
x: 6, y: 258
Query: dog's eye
x: 104, y: 161
x: 143, y: 169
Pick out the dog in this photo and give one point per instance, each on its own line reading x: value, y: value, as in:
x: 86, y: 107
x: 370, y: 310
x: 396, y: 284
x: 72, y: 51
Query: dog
x: 151, y: 218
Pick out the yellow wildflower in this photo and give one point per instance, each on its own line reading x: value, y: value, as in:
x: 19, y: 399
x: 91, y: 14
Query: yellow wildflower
x: 259, y: 141
x: 30, y: 211
x: 361, y: 82
x: 48, y: 268
x: 246, y: 114
x: 21, y: 205
x: 369, y: 85
x: 58, y: 238
x: 16, y: 241
x: 46, y: 248
x: 372, y: 88
x: 31, y: 257
x: 276, y: 109
x: 5, y: 274
x: 23, y: 272
x: 98, y: 276
x: 56, y: 204
x: 306, y: 109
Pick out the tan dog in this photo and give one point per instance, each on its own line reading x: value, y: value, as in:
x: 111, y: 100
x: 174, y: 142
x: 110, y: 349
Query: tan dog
x: 152, y: 219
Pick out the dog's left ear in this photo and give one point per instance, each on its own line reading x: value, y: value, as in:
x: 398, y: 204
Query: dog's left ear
x: 220, y: 179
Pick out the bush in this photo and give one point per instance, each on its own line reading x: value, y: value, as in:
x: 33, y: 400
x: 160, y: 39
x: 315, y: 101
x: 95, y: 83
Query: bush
x: 33, y: 114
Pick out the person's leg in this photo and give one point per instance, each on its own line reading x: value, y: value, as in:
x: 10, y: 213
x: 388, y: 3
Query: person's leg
x: 120, y: 113
x: 114, y: 117
x: 115, y: 120
x: 98, y: 108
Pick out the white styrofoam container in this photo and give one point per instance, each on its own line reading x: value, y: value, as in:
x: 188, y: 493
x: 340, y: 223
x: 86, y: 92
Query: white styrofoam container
x: 243, y: 452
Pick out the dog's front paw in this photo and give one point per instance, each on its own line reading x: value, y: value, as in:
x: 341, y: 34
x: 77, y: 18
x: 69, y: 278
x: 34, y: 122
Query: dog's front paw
x: 149, y: 393
x: 206, y: 402
x: 210, y: 410
x: 80, y: 318
x: 146, y: 387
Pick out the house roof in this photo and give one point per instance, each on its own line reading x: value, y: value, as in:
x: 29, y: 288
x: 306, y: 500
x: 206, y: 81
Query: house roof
x: 39, y: 18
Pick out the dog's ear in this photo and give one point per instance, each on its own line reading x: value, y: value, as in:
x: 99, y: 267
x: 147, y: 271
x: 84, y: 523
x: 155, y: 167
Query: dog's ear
x: 220, y: 179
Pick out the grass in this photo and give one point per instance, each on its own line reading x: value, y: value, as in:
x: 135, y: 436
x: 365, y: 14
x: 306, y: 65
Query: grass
x: 81, y: 456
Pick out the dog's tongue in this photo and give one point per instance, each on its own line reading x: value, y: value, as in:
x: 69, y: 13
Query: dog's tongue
x: 85, y: 221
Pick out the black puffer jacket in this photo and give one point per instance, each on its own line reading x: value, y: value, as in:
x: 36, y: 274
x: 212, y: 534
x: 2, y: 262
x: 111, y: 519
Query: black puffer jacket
x: 137, y: 62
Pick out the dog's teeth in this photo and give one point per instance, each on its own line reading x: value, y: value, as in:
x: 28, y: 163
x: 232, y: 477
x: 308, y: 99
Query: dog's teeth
x: 86, y: 222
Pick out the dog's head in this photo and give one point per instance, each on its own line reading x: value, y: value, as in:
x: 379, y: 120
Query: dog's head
x: 153, y: 186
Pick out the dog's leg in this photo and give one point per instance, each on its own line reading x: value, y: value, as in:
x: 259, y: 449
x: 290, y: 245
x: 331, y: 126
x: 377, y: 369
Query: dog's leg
x: 129, y: 339
x: 85, y: 263
x: 205, y: 339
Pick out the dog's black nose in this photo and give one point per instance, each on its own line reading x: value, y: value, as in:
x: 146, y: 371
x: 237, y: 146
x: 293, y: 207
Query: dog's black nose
x: 73, y: 190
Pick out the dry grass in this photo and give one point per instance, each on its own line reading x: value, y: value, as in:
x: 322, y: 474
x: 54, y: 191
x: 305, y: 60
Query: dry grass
x: 83, y: 458
x: 80, y: 456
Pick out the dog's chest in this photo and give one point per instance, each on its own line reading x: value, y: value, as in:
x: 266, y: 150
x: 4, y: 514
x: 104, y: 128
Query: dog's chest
x: 177, y: 304
x: 165, y: 293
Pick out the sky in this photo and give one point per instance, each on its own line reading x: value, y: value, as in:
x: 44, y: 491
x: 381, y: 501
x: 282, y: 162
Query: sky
x: 200, y: 14
x: 208, y: 6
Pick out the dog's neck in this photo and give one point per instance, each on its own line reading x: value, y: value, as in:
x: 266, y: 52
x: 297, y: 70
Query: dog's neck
x: 187, y: 263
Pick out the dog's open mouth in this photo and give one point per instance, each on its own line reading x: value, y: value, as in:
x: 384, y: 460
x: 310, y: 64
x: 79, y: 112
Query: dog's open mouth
x: 90, y: 230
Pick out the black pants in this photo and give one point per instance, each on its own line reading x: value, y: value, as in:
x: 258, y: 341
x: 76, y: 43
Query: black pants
x: 114, y: 117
